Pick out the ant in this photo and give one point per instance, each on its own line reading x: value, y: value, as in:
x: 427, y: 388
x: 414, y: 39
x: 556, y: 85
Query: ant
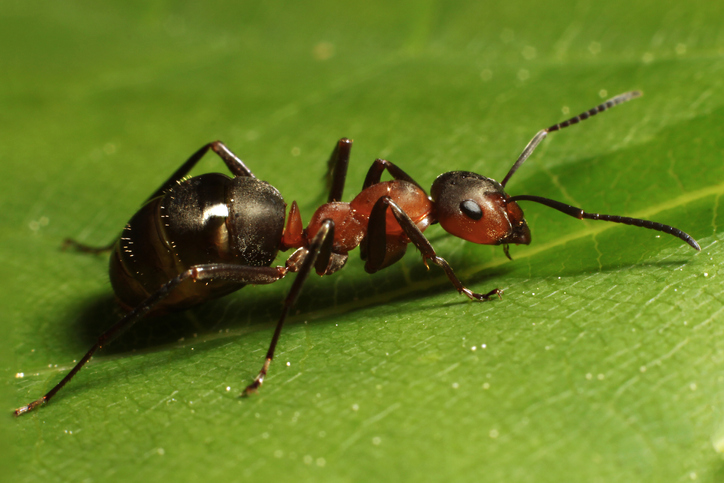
x: 203, y: 237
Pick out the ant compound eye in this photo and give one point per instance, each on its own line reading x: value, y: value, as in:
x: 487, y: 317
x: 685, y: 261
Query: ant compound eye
x: 471, y: 209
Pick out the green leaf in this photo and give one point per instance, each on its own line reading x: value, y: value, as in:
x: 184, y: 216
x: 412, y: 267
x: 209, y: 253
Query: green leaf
x: 603, y: 361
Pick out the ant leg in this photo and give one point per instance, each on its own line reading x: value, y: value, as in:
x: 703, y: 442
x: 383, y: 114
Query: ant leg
x: 235, y: 165
x: 82, y: 247
x: 198, y: 273
x: 376, y: 247
x: 374, y: 175
x: 318, y: 250
x: 337, y: 169
x: 614, y: 101
x: 580, y: 214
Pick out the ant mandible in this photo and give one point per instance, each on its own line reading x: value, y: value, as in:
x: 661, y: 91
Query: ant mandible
x: 226, y: 232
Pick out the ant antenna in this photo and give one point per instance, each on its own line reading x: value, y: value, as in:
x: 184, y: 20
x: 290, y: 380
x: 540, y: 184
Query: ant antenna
x: 614, y: 101
x: 580, y: 214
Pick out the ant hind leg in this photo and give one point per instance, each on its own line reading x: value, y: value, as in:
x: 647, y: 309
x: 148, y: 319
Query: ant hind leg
x: 219, y: 271
x: 82, y: 247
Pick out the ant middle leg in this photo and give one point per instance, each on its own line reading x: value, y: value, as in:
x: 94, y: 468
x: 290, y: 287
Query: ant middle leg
x: 337, y: 169
x: 318, y: 254
x: 377, y: 245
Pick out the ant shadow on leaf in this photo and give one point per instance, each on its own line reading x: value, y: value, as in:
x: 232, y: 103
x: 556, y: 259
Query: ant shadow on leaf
x: 257, y: 308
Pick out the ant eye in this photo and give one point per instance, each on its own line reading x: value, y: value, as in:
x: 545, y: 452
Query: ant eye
x: 471, y: 209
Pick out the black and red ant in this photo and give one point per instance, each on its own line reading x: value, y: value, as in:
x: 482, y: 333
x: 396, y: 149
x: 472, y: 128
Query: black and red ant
x: 226, y: 232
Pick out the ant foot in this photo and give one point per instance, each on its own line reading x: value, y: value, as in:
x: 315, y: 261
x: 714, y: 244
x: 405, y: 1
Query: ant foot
x: 69, y: 243
x: 252, y: 388
x: 27, y: 408
x: 483, y: 297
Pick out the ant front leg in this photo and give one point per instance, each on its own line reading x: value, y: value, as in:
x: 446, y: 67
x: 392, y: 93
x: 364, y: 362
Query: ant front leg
x: 377, y: 248
x: 198, y: 273
x: 374, y: 175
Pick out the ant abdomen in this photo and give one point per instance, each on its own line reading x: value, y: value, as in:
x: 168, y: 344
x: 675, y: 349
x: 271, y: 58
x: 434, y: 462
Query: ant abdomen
x: 202, y: 220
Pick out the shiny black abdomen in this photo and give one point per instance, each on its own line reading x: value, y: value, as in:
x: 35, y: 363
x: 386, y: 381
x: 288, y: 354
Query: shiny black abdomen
x: 205, y: 219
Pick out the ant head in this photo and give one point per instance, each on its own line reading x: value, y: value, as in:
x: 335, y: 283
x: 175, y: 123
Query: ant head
x: 475, y: 208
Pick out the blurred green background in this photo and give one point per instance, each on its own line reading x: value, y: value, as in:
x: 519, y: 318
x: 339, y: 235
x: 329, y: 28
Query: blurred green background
x: 604, y: 360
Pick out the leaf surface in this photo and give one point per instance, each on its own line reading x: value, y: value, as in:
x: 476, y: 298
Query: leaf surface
x: 603, y: 361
